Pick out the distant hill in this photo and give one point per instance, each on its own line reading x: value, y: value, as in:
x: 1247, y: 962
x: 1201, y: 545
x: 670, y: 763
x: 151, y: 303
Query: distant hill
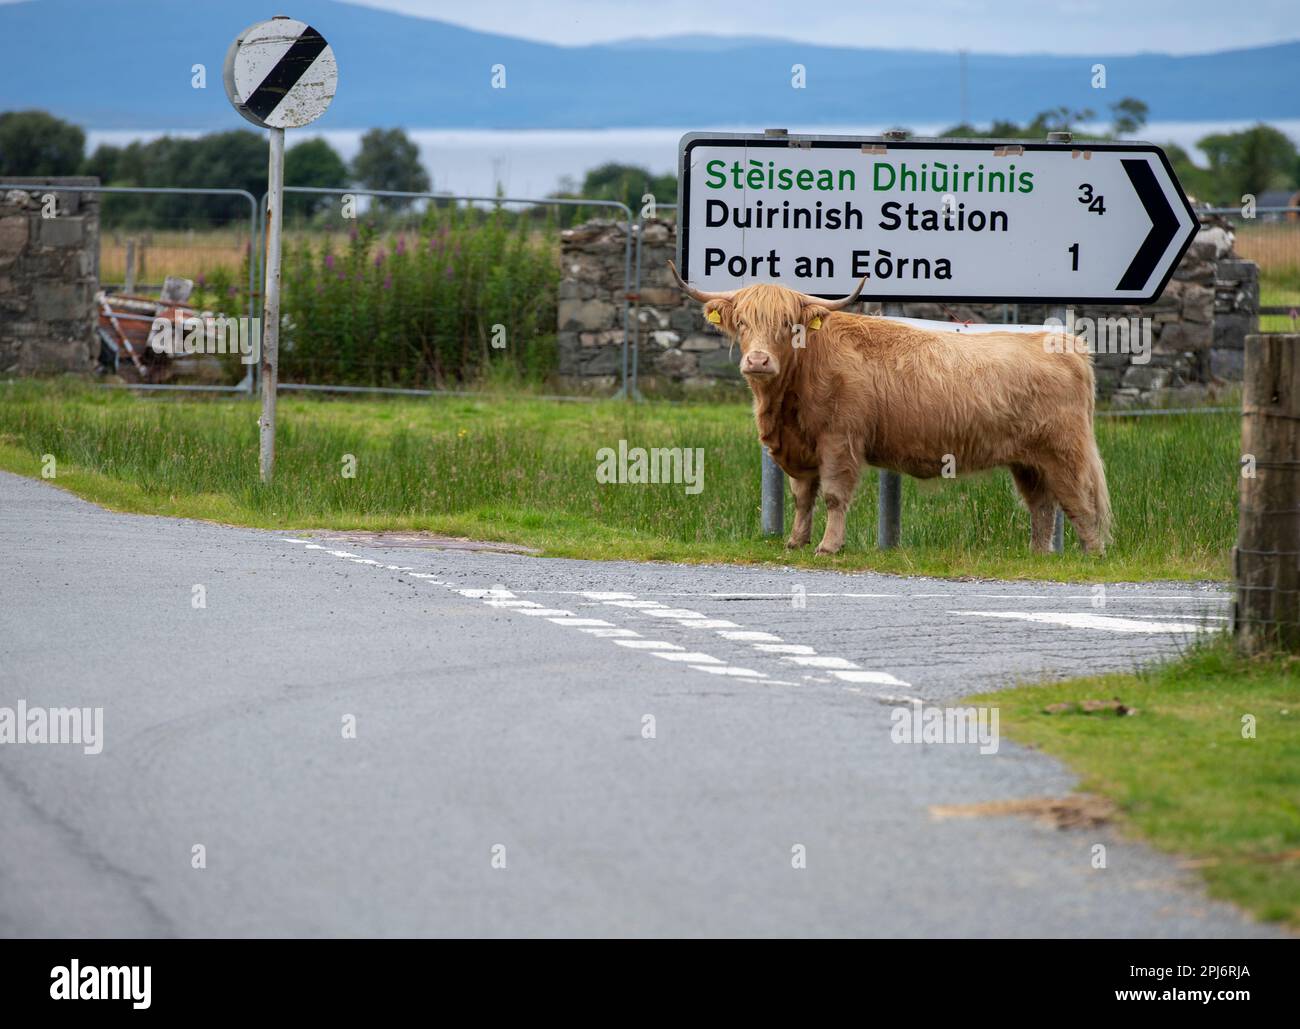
x: 126, y: 65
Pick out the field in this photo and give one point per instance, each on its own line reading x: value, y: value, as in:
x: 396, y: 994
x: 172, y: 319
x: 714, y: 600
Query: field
x: 524, y: 470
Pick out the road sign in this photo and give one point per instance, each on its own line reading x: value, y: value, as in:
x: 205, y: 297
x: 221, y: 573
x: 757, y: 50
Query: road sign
x: 996, y: 221
x: 280, y: 74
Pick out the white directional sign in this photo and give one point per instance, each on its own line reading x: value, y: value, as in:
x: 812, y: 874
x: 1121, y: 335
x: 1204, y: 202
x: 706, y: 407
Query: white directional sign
x: 964, y: 220
x: 280, y: 74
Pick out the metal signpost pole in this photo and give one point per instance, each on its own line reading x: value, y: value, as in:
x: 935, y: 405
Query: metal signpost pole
x: 271, y: 308
x: 889, y: 497
x: 773, y: 500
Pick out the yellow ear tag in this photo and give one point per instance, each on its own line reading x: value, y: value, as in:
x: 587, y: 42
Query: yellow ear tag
x: 714, y: 317
x: 816, y: 323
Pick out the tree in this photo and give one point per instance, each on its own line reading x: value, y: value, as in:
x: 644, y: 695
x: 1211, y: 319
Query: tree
x: 1251, y: 161
x: 220, y: 160
x: 1128, y: 115
x: 389, y: 160
x: 103, y: 163
x: 628, y: 183
x: 36, y: 143
x: 312, y: 163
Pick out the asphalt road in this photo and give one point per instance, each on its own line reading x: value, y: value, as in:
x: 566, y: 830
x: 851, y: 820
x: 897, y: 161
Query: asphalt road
x: 500, y: 706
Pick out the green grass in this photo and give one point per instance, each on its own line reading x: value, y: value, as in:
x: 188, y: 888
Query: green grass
x: 1180, y: 771
x: 1280, y: 292
x: 523, y: 470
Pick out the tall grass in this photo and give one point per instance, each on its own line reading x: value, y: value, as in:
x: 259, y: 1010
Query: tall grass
x: 439, y: 305
x: 525, y: 470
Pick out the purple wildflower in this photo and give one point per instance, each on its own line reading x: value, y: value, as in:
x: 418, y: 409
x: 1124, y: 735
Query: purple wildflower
x: 329, y: 260
x: 388, y: 282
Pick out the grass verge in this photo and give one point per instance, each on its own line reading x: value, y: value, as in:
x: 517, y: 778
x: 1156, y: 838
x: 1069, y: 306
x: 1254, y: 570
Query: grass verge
x: 1182, y: 772
x: 524, y: 470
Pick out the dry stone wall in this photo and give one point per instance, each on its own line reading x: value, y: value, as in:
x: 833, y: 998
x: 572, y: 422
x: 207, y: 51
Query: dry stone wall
x: 49, y: 274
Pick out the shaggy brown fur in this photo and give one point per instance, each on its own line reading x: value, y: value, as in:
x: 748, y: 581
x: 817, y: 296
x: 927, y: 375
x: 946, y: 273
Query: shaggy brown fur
x: 872, y: 391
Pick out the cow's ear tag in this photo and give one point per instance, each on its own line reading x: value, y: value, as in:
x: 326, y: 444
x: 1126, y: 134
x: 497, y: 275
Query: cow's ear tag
x: 816, y: 323
x: 714, y: 317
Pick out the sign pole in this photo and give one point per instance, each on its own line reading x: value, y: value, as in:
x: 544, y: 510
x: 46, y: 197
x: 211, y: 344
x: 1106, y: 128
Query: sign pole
x: 1058, y: 526
x: 279, y: 74
x: 773, y: 496
x: 271, y: 309
x: 889, y: 497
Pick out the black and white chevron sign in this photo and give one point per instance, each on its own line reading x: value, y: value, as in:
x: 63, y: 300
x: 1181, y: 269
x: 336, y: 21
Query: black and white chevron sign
x: 280, y: 74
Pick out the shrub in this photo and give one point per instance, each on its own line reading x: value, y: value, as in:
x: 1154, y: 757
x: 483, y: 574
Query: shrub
x: 421, y: 307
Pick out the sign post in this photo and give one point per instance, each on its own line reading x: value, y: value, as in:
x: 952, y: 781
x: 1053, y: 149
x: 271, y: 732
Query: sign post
x: 975, y: 221
x: 279, y: 74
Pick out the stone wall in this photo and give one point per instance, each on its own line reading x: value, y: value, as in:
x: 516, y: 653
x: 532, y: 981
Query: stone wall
x: 1198, y: 324
x: 49, y: 274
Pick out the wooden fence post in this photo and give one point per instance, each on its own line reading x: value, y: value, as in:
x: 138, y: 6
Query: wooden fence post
x: 1266, y: 561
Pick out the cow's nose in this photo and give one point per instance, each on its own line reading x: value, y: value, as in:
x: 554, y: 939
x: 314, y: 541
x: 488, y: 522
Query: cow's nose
x: 758, y: 359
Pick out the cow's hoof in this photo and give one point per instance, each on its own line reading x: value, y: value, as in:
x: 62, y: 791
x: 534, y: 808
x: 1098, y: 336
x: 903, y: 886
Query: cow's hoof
x: 794, y: 544
x: 825, y: 551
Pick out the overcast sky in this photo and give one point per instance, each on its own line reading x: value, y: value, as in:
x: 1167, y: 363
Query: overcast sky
x: 990, y: 26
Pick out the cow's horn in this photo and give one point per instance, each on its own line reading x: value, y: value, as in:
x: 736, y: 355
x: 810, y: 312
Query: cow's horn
x: 840, y: 305
x: 698, y: 294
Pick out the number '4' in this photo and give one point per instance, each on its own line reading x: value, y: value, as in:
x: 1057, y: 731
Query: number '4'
x: 1096, y: 203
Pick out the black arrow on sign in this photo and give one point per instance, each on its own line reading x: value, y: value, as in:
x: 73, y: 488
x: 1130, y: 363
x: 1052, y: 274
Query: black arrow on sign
x: 286, y: 73
x: 1164, y: 224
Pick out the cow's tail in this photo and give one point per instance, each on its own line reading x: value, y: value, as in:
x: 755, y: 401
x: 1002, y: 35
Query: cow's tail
x: 1097, y: 470
x: 1100, y: 493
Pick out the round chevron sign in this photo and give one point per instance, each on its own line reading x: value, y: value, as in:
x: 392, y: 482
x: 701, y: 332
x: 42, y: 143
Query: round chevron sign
x: 280, y: 74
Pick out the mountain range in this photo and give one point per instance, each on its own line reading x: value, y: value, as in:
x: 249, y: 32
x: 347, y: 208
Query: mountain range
x: 128, y: 64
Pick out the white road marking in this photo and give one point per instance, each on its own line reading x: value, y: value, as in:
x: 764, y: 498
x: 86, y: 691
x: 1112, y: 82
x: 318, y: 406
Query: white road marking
x: 748, y: 636
x: 672, y: 612
x: 544, y: 612
x: 784, y: 648
x: 625, y: 603
x: 746, y: 673
x: 648, y: 645
x: 610, y: 633
x: 608, y: 596
x: 687, y: 655
x: 878, y: 678
x: 582, y: 621
x: 1072, y: 620
x: 512, y: 603
x: 821, y: 662
x: 707, y: 623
